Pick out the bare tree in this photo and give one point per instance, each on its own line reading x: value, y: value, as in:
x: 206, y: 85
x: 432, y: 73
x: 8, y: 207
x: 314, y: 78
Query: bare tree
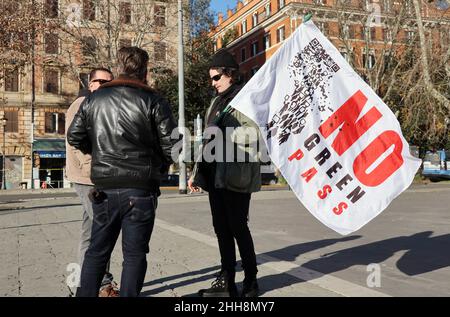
x: 408, y: 67
x: 17, y: 21
x: 91, y: 33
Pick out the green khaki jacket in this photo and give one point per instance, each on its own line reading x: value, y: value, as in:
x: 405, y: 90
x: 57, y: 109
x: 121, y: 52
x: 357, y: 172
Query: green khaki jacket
x: 243, y: 172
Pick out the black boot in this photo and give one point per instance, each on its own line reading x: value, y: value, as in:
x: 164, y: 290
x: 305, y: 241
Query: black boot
x: 222, y: 286
x: 250, y: 287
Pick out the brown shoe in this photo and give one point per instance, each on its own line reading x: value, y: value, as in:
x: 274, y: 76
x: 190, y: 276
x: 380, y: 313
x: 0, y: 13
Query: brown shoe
x: 109, y: 290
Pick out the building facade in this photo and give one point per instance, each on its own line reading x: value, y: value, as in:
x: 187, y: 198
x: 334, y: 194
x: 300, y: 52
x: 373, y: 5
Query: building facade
x: 362, y: 30
x: 86, y: 34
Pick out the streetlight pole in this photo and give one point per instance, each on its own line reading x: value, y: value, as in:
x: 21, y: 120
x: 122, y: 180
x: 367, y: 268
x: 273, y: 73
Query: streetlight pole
x: 33, y: 96
x: 181, y: 121
x: 3, y: 119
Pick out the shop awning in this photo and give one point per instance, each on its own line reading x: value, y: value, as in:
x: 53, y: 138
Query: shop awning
x: 50, y: 148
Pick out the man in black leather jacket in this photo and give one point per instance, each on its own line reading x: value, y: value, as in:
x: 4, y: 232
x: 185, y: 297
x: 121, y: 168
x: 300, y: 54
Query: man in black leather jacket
x: 126, y: 127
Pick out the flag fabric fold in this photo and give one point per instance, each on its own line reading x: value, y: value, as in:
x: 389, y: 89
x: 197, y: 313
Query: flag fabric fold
x: 337, y: 144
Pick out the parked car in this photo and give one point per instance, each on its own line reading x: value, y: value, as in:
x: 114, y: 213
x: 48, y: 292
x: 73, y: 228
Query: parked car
x: 436, y: 165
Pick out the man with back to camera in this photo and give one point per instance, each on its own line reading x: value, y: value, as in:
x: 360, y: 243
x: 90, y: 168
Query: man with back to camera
x: 126, y: 126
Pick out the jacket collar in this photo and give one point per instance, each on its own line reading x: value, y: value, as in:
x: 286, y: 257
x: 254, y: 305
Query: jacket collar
x: 127, y: 81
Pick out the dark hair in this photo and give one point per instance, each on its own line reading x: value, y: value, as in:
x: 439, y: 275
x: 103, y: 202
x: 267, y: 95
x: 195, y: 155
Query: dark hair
x: 132, y: 62
x: 233, y: 73
x: 99, y: 69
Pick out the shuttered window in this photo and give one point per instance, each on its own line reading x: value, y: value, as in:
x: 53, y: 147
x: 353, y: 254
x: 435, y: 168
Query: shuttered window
x: 160, y: 15
x: 51, y: 81
x: 12, y: 123
x: 88, y: 10
x: 125, y: 12
x: 12, y: 80
x: 160, y: 52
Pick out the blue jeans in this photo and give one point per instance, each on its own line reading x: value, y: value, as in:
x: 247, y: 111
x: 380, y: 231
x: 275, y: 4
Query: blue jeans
x: 132, y: 211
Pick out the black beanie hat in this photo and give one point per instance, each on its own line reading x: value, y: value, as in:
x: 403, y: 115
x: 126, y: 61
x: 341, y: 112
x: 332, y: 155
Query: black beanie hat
x: 223, y: 59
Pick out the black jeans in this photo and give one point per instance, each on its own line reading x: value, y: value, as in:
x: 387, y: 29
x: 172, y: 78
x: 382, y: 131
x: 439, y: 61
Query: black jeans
x: 230, y: 220
x: 132, y: 211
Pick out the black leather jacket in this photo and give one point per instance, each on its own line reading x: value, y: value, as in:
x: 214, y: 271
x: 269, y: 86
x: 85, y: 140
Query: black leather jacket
x: 126, y: 127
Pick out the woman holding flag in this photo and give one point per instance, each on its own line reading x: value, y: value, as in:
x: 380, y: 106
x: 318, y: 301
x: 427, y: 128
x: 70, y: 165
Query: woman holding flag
x: 229, y: 184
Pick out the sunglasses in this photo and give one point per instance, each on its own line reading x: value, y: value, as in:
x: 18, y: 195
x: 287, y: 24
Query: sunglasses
x: 217, y: 77
x: 100, y: 81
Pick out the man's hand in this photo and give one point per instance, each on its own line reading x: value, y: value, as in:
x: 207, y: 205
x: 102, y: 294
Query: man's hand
x: 193, y: 189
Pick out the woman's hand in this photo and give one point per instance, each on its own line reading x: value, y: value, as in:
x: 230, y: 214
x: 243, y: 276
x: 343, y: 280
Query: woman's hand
x: 193, y: 189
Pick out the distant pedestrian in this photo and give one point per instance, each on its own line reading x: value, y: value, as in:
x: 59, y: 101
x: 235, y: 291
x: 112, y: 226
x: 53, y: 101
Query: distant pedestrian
x: 126, y: 126
x: 78, y: 171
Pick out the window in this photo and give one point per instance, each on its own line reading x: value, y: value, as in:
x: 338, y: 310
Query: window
x: 51, y: 8
x: 55, y: 122
x: 12, y: 123
x: 266, y: 40
x: 344, y: 54
x: 280, y: 4
x: 410, y: 35
x: 125, y: 11
x: 267, y: 10
x: 51, y: 43
x: 387, y: 34
x: 345, y: 31
x: 358, y: 31
x: 244, y: 26
x: 444, y: 38
x: 83, y: 78
x: 369, y: 60
x: 254, y: 50
x: 366, y: 33
x: 160, y: 15
x: 160, y: 51
x: 253, y: 71
x: 12, y: 80
x: 351, y: 31
x: 243, y: 57
x: 387, y: 61
x: 255, y: 19
x: 88, y: 10
x: 124, y: 43
x: 373, y: 34
x: 348, y: 31
x: 51, y: 81
x: 408, y: 6
x: 280, y: 34
x: 323, y: 27
x: 89, y: 46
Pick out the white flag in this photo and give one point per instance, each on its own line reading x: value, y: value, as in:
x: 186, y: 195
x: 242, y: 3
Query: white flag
x: 336, y: 143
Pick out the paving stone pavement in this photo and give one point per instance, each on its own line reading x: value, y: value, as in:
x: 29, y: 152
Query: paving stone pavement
x: 39, y: 240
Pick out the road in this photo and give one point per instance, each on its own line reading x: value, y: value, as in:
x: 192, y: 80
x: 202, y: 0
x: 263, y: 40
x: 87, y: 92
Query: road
x: 407, y: 245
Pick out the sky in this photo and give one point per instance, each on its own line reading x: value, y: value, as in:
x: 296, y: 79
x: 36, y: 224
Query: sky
x: 222, y: 6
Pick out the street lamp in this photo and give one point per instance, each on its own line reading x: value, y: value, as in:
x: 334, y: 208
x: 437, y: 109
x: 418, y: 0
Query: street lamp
x: 181, y: 120
x: 4, y: 149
